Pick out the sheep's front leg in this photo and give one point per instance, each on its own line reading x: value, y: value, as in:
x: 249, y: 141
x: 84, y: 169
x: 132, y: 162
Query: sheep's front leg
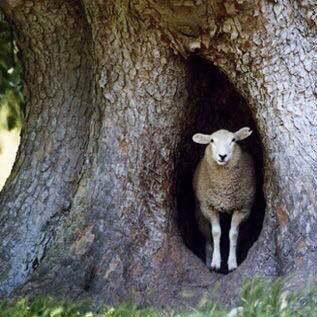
x: 237, y: 217
x: 216, y: 233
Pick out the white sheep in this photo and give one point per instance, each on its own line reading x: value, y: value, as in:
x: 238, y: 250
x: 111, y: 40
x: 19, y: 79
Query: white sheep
x: 224, y: 181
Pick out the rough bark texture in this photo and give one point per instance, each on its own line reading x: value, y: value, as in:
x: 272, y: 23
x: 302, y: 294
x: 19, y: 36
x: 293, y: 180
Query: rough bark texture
x: 58, y: 71
x: 90, y: 208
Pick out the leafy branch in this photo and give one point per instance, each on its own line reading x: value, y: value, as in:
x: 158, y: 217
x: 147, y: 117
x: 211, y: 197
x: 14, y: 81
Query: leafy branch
x: 11, y: 82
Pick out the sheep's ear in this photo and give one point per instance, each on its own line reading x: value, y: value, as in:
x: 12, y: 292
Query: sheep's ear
x: 243, y: 133
x: 201, y: 138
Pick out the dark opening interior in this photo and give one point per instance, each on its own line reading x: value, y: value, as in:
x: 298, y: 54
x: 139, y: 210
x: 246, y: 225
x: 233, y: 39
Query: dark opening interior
x: 215, y: 104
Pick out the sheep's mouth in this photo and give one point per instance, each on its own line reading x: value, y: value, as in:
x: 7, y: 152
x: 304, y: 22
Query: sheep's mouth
x: 222, y: 162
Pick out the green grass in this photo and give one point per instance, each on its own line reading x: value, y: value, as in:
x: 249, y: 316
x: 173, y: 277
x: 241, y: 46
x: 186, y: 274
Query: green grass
x: 258, y: 299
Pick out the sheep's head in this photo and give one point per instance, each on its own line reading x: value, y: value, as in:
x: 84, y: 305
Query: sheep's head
x: 222, y: 143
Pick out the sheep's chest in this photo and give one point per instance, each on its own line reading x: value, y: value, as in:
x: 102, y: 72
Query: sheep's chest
x: 225, y: 195
x: 223, y: 198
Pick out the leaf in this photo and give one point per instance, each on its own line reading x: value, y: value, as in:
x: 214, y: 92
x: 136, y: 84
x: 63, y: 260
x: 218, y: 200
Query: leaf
x: 11, y: 83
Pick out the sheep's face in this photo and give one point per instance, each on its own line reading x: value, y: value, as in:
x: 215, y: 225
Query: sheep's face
x: 222, y: 143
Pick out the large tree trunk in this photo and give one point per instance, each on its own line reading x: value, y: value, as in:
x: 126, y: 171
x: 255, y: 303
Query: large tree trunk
x: 90, y: 208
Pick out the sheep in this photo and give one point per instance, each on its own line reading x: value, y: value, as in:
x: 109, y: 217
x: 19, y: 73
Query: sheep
x: 224, y: 182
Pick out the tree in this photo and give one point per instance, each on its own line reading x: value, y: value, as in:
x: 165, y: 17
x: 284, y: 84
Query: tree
x: 89, y: 209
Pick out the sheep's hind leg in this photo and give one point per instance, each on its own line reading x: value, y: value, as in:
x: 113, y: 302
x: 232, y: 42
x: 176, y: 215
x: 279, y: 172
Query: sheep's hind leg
x: 237, y: 217
x: 208, y: 252
x: 216, y: 233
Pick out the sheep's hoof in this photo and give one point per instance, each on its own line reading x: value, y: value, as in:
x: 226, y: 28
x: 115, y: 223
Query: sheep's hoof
x: 215, y: 266
x: 232, y: 266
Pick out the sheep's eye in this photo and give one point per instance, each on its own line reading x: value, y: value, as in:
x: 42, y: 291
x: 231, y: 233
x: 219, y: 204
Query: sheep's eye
x: 233, y: 140
x: 212, y: 140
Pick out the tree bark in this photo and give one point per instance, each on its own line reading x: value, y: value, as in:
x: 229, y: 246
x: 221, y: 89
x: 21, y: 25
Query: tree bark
x: 90, y: 208
x: 58, y: 74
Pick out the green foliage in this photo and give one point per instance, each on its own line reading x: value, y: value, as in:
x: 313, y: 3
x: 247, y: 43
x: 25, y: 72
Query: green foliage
x: 41, y: 307
x: 47, y: 307
x: 11, y: 83
x: 258, y: 299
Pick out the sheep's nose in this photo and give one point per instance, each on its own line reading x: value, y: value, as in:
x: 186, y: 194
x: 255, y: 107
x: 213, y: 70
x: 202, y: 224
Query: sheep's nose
x: 222, y: 157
